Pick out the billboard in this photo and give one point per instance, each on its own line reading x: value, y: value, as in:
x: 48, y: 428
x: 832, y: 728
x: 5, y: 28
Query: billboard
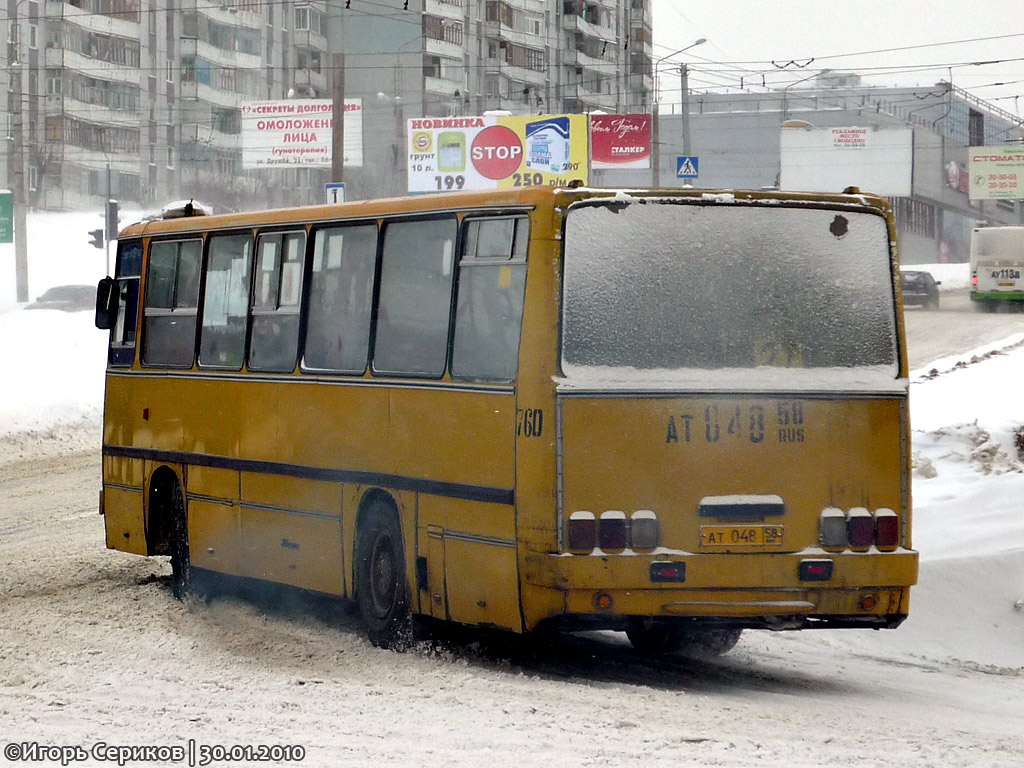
x: 496, y: 152
x: 996, y: 173
x: 298, y: 133
x: 620, y: 141
x: 877, y: 160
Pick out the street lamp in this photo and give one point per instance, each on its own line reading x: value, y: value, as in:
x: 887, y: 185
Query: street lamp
x: 656, y: 159
x: 657, y: 64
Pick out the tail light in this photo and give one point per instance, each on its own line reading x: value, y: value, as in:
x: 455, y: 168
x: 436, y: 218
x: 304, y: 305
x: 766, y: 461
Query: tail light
x: 612, y: 533
x: 832, y: 528
x: 860, y: 527
x: 887, y: 529
x: 643, y: 529
x: 582, y: 532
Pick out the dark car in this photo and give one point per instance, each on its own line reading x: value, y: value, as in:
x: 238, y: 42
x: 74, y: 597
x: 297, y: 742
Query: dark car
x: 67, y: 298
x: 920, y: 289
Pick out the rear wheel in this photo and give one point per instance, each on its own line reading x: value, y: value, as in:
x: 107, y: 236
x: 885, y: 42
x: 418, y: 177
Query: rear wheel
x: 380, y: 583
x: 695, y: 642
x: 181, y: 567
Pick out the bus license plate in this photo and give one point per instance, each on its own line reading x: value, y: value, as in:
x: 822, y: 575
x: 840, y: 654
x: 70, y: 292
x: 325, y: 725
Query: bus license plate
x: 733, y: 536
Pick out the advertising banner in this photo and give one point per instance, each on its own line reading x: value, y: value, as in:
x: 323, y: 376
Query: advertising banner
x: 877, y: 160
x: 996, y: 173
x: 298, y: 133
x: 620, y: 141
x: 496, y: 152
x: 6, y: 216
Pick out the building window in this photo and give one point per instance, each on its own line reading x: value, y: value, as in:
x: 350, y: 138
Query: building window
x: 33, y: 38
x: 976, y: 128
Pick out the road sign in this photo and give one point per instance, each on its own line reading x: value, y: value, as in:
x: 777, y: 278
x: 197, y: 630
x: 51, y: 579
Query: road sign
x: 335, y: 192
x: 6, y: 217
x: 686, y: 167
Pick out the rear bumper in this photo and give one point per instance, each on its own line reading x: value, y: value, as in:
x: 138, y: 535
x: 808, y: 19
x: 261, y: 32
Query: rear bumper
x: 750, y: 590
x: 997, y: 295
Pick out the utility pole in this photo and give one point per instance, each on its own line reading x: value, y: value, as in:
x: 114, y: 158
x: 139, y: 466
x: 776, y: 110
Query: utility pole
x: 338, y: 132
x: 20, y: 192
x: 684, y: 84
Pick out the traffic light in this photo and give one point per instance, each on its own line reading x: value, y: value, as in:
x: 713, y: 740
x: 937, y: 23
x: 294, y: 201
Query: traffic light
x: 111, y: 220
x: 97, y: 238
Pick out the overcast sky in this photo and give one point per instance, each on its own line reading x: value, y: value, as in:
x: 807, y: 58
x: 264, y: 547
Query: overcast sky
x: 744, y: 37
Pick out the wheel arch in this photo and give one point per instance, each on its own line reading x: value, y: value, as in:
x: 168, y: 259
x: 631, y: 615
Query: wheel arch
x: 160, y: 501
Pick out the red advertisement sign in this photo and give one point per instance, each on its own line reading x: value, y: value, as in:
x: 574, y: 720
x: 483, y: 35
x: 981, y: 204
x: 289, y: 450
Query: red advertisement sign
x: 620, y: 141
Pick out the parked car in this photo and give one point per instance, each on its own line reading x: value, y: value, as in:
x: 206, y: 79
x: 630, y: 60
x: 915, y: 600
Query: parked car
x: 920, y: 289
x: 67, y: 298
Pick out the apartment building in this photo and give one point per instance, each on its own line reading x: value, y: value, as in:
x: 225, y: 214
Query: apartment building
x: 140, y: 100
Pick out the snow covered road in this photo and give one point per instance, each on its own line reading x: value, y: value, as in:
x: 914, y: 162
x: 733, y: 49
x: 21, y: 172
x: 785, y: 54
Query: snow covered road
x: 93, y: 647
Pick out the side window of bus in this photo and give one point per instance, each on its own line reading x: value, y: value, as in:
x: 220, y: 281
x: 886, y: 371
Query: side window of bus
x: 340, y: 299
x: 129, y: 272
x: 415, y: 297
x: 489, y: 312
x: 225, y: 302
x: 172, y: 298
x: 276, y: 298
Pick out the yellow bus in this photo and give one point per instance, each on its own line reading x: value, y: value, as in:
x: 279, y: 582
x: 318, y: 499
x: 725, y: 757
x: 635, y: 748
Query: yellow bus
x: 674, y: 413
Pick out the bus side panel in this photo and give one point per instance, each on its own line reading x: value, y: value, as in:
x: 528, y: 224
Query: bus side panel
x: 123, y: 518
x: 213, y: 536
x: 291, y: 531
x: 471, y: 561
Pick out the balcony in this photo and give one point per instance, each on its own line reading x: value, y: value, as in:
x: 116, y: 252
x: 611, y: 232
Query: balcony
x: 227, y: 58
x: 101, y: 70
x: 94, y: 22
x: 498, y: 31
x: 309, y: 40
x: 448, y: 9
x: 441, y: 86
x: 523, y: 74
x: 308, y: 78
x: 578, y: 24
x: 93, y: 113
x: 444, y: 48
x: 216, y: 96
x: 225, y: 14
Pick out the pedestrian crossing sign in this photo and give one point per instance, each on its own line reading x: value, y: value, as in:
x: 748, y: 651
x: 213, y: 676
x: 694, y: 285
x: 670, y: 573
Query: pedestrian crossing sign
x: 686, y: 167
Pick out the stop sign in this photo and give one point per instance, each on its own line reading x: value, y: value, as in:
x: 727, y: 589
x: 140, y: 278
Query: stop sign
x: 496, y: 152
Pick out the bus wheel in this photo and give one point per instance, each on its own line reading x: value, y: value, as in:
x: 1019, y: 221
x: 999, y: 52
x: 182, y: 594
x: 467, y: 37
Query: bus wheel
x: 698, y: 643
x: 181, y: 568
x: 381, y: 592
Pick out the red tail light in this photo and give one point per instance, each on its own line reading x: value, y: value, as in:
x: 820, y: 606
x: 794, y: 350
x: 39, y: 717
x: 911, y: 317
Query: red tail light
x: 582, y: 532
x: 887, y: 529
x: 860, y: 527
x: 612, y: 531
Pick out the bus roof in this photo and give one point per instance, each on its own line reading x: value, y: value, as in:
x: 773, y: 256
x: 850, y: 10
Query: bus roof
x: 520, y: 197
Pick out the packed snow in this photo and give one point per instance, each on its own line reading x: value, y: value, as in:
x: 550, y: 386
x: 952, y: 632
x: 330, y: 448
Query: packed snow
x: 967, y: 612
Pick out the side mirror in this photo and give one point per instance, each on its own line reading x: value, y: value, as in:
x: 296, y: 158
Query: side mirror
x: 938, y: 282
x: 106, y: 303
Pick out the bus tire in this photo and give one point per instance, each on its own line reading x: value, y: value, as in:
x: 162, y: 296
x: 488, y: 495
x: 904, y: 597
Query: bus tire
x: 698, y: 643
x: 380, y: 583
x: 181, y: 565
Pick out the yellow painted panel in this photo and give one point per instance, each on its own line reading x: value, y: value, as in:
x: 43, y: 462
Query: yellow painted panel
x: 123, y: 518
x: 667, y: 454
x: 122, y: 471
x: 209, y: 481
x: 482, y: 583
x: 291, y: 493
x: 213, y: 536
x: 300, y: 550
x: 475, y: 517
